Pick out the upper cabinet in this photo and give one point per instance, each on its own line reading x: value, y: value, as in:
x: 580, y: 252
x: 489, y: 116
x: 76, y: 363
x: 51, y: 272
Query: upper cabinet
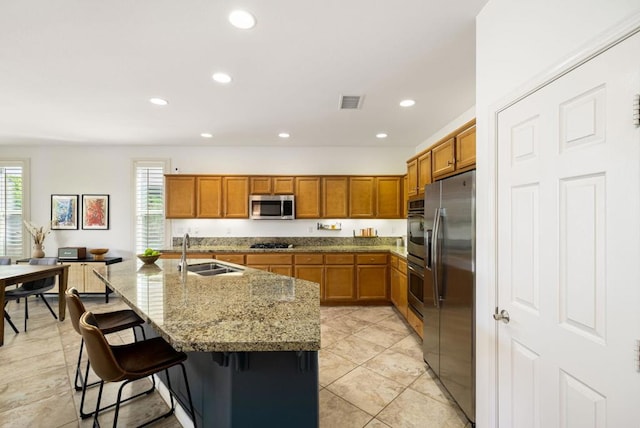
x: 268, y: 185
x: 335, y: 201
x: 454, y: 153
x: 180, y: 196
x: 236, y: 197
x: 218, y: 196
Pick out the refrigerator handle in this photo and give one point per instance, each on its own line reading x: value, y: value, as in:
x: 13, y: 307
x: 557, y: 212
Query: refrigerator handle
x: 434, y: 258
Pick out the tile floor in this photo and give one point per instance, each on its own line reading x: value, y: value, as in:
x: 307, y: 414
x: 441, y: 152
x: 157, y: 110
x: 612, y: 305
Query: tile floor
x: 371, y: 374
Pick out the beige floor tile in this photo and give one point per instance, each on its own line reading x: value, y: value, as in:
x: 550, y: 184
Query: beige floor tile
x: 330, y: 312
x: 429, y: 386
x: 347, y: 324
x: 34, y: 386
x: 381, y: 335
x: 355, y: 349
x: 337, y: 413
x: 329, y: 336
x: 399, y: 367
x: 412, y: 409
x: 376, y: 423
x: 366, y: 389
x: 332, y: 367
x: 54, y: 411
x: 373, y: 314
x: 411, y: 346
x: 396, y: 323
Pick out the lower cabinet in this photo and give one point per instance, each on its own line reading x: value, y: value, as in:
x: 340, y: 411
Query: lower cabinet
x: 339, y: 277
x: 399, y: 291
x: 81, y: 277
x: 310, y: 267
x: 280, y: 264
x: 372, y: 275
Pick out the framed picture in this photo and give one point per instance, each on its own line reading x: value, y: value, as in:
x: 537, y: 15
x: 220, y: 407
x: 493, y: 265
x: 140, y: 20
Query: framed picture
x: 95, y: 212
x: 64, y: 212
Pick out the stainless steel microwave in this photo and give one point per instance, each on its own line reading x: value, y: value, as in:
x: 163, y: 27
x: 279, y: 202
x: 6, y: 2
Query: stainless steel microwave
x: 272, y: 207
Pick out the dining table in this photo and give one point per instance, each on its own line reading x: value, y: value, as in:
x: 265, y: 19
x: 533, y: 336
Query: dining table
x: 16, y: 274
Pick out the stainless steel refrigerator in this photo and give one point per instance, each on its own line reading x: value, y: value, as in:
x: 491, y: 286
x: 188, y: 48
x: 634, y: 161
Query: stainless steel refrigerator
x: 449, y: 286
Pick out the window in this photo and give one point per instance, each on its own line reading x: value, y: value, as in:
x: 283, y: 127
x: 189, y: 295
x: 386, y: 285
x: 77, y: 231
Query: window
x: 13, y: 242
x: 150, y: 223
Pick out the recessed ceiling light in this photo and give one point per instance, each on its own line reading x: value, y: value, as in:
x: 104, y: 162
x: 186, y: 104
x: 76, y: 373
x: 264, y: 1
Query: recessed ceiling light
x: 158, y: 101
x: 284, y: 135
x: 381, y: 135
x: 206, y: 135
x: 242, y: 19
x: 221, y: 77
x: 407, y: 103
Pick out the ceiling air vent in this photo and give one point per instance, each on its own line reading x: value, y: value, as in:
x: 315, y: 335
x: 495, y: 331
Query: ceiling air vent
x: 350, y: 102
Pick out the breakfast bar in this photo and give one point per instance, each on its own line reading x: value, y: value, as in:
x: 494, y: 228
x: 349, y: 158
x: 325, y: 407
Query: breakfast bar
x: 252, y: 338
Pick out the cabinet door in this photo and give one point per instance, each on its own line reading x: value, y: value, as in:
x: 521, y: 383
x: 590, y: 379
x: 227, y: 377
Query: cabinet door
x: 313, y: 273
x: 236, y: 197
x: 412, y: 177
x: 335, y: 197
x: 389, y: 197
x: 76, y: 276
x: 442, y: 157
x: 180, y: 196
x: 399, y: 291
x: 424, y: 171
x: 307, y: 197
x: 209, y: 200
x: 92, y: 284
x: 231, y: 258
x: 286, y: 270
x: 372, y: 282
x: 339, y: 283
x: 466, y: 148
x: 283, y: 185
x: 260, y: 185
x: 362, y: 202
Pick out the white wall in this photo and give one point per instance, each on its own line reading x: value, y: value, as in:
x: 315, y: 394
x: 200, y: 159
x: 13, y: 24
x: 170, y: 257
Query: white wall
x: 518, y: 42
x: 108, y: 170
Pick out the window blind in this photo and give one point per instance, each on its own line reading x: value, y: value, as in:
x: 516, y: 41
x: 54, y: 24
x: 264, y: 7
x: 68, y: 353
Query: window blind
x: 11, y: 210
x: 150, y: 222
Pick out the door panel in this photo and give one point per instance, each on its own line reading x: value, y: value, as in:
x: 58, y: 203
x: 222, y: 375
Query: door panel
x: 568, y: 249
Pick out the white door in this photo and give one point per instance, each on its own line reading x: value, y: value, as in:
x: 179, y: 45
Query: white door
x: 569, y: 249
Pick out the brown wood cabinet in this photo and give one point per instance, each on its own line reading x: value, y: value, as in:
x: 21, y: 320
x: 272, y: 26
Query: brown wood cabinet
x: 180, y: 196
x: 209, y: 197
x: 466, y: 148
x: 424, y: 171
x: 339, y: 277
x: 231, y: 258
x: 335, y: 197
x: 398, y: 284
x: 412, y: 177
x: 389, y: 197
x: 276, y: 263
x: 372, y: 272
x: 444, y: 161
x: 310, y: 267
x: 236, y: 197
x: 362, y: 202
x: 268, y: 185
x: 307, y: 197
x: 415, y: 322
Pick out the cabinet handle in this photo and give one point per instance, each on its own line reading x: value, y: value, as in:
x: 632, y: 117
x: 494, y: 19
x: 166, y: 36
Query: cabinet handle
x: 449, y: 163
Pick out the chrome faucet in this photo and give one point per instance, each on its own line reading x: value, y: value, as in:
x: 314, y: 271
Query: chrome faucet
x: 183, y: 258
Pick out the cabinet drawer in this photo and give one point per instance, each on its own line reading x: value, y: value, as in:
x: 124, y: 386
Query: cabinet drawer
x: 338, y: 259
x: 393, y: 260
x: 269, y: 259
x: 371, y: 259
x: 231, y: 258
x: 308, y: 259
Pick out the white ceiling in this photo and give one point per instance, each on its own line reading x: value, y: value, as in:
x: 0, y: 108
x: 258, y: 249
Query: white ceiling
x: 82, y: 71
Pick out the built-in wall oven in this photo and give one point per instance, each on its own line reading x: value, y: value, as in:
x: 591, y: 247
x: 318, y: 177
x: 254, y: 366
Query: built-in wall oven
x: 416, y: 254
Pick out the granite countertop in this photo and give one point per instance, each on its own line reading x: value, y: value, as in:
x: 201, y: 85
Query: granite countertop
x: 399, y: 251
x: 255, y: 311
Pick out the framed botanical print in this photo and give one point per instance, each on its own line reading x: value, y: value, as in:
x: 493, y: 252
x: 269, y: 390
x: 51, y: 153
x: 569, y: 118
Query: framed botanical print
x: 95, y: 212
x: 64, y: 212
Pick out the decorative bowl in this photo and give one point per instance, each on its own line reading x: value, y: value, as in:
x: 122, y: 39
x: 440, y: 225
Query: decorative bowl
x: 98, y: 253
x: 148, y: 260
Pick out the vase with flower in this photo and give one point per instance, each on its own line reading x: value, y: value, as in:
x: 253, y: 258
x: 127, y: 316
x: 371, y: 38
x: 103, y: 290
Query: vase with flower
x: 38, y: 234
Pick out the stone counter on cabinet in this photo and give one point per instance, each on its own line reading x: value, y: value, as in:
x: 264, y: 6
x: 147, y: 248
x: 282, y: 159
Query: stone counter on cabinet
x: 251, y: 338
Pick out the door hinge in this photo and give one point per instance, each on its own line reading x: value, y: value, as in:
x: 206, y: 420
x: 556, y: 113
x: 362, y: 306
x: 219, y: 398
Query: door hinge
x: 636, y: 110
x: 636, y: 356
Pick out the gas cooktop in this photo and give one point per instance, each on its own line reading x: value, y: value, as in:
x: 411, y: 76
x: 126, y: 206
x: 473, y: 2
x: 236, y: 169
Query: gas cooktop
x: 271, y: 245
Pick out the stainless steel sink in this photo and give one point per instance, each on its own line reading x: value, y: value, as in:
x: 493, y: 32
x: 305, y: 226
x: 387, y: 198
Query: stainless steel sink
x: 209, y: 269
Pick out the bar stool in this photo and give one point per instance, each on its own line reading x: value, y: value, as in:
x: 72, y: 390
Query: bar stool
x: 108, y: 322
x: 130, y: 362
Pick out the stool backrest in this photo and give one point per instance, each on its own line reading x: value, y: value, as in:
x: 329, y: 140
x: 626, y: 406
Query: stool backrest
x: 5, y: 260
x: 103, y: 362
x: 75, y: 307
x: 45, y: 283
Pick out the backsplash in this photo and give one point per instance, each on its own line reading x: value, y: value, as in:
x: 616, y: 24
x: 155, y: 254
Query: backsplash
x: 295, y: 241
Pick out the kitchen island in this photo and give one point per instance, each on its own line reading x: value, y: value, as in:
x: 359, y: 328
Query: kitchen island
x: 252, y: 339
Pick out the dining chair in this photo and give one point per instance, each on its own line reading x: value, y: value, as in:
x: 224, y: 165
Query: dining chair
x: 107, y: 322
x: 7, y: 261
x: 33, y: 288
x: 130, y: 362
